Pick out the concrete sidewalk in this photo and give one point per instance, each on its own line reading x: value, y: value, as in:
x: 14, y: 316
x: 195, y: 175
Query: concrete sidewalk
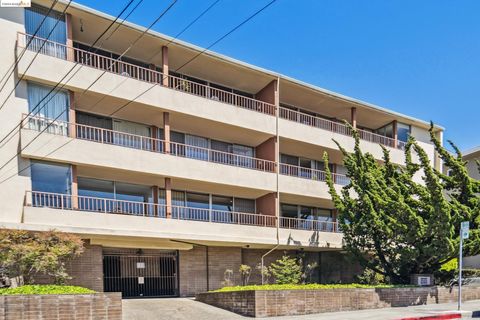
x: 186, y: 309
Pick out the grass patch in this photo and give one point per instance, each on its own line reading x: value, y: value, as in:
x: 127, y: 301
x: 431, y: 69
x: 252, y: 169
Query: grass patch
x: 311, y: 286
x: 45, y: 289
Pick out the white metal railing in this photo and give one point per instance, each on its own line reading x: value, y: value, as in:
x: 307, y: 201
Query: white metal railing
x: 98, y: 61
x: 93, y: 204
x: 147, y: 209
x: 312, y: 174
x: 307, y: 224
x: 337, y: 127
x: 218, y: 216
x: 129, y: 140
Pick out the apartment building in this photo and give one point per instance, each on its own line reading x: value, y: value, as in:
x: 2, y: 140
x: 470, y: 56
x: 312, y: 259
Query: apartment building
x: 172, y: 173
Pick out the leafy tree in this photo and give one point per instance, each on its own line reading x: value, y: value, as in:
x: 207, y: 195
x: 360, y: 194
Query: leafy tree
x: 286, y: 270
x: 396, y: 226
x: 24, y: 253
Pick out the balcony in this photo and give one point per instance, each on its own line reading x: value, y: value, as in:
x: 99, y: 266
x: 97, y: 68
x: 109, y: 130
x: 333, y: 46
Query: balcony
x: 312, y: 174
x: 143, y: 209
x: 127, y: 140
x: 339, y: 128
x: 100, y: 62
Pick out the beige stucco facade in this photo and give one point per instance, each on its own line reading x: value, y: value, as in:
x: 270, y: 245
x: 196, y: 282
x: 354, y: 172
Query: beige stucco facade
x: 245, y: 112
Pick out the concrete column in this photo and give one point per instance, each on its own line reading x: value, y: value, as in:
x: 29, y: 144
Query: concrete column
x: 74, y: 188
x: 68, y: 23
x: 166, y: 131
x: 153, y: 134
x: 155, y: 199
x: 395, y: 133
x: 165, y: 66
x: 168, y: 197
x: 72, y: 117
x: 354, y: 117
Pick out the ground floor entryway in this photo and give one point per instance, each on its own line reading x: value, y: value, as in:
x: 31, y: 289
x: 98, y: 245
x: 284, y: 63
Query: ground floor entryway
x: 141, y: 273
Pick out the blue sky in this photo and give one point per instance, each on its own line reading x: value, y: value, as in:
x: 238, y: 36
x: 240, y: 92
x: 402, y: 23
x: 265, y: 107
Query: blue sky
x: 421, y: 58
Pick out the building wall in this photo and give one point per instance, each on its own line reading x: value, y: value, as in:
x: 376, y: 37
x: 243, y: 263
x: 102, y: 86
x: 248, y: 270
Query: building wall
x: 338, y: 267
x: 192, y: 266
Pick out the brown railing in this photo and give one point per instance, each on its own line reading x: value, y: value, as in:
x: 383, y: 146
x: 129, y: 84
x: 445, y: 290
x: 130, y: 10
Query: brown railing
x: 146, y: 209
x: 312, y: 174
x: 128, y: 140
x: 337, y: 127
x: 311, y: 225
x: 101, y: 62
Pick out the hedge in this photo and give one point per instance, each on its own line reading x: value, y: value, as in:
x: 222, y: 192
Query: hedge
x: 45, y: 289
x: 312, y: 286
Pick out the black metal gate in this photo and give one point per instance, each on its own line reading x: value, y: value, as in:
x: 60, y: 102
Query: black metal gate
x: 140, y: 274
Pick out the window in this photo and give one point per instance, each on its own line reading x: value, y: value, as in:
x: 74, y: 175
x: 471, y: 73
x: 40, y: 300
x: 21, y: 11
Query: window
x: 244, y: 205
x: 386, y: 131
x: 54, y: 181
x: 222, y: 203
x: 51, y: 107
x: 403, y: 131
x: 289, y: 210
x: 53, y: 28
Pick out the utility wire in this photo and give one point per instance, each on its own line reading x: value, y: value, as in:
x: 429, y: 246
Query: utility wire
x: 34, y: 57
x: 130, y: 101
x: 12, y: 68
x: 200, y: 53
x: 130, y: 47
x: 71, y: 69
x: 158, y: 52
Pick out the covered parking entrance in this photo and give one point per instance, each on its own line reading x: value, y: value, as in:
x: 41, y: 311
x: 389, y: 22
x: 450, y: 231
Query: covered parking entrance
x: 141, y: 273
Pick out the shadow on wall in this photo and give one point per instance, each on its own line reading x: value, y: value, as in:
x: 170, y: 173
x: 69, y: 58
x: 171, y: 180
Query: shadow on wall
x: 401, y: 297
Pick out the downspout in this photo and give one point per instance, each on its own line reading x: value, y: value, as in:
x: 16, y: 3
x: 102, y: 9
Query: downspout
x: 277, y: 198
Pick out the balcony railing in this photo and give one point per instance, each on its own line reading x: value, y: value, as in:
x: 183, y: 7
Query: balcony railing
x: 306, y: 224
x: 312, y: 174
x: 128, y: 140
x: 145, y: 209
x: 338, y: 127
x: 112, y: 65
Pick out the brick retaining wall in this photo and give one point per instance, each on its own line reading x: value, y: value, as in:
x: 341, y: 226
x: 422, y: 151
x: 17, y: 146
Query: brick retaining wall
x: 98, y: 306
x: 298, y: 302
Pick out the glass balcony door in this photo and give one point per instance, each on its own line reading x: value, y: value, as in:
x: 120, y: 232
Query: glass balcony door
x: 53, y: 183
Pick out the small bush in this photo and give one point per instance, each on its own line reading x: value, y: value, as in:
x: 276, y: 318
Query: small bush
x: 45, y: 289
x: 370, y: 277
x: 286, y: 270
x: 311, y: 286
x: 245, y: 272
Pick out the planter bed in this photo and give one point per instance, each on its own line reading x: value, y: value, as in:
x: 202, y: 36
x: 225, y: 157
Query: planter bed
x: 268, y: 303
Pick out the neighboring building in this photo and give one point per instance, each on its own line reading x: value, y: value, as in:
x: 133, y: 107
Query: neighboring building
x: 190, y: 178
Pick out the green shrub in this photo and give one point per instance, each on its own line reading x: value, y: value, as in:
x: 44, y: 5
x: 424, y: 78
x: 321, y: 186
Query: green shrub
x: 370, y: 277
x: 286, y: 270
x: 45, y: 289
x: 310, y: 286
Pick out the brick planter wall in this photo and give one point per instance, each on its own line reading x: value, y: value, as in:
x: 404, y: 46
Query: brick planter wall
x: 298, y: 302
x: 63, y: 306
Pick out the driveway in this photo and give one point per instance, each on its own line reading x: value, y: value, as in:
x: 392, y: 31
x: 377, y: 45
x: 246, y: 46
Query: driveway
x: 187, y: 309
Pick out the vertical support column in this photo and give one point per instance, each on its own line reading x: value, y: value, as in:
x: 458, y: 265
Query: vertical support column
x: 354, y: 117
x: 166, y: 131
x: 168, y: 197
x: 74, y: 188
x: 165, y: 66
x: 395, y: 133
x: 68, y: 23
x: 72, y: 118
x: 156, y: 209
x: 153, y: 134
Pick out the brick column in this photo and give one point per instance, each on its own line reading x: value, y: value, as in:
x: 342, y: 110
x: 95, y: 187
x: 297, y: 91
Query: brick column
x: 269, y: 94
x: 395, y: 133
x: 168, y: 197
x: 354, y: 118
x: 70, y: 52
x: 268, y: 150
x: 74, y: 188
x: 165, y: 66
x: 166, y: 131
x: 72, y: 132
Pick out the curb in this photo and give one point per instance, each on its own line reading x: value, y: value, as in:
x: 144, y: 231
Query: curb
x: 440, y: 316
